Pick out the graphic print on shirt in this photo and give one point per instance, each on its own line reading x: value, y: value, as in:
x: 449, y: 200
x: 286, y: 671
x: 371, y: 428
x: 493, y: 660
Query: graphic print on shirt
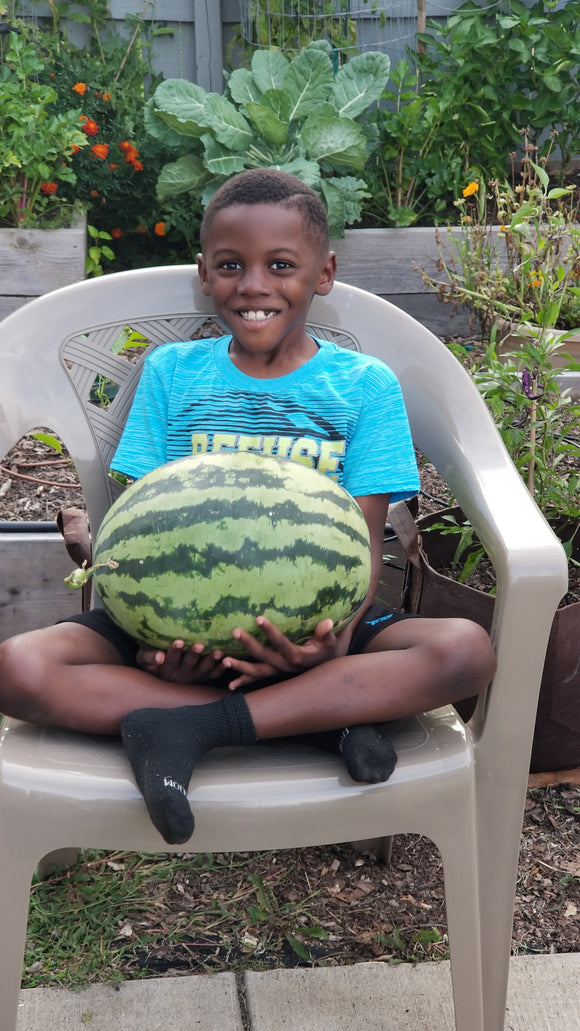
x: 241, y: 421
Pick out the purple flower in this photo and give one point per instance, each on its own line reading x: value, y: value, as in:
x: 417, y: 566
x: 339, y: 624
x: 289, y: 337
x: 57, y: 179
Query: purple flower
x: 528, y: 382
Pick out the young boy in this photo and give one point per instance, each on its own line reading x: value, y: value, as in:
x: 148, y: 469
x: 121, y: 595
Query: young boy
x: 267, y: 386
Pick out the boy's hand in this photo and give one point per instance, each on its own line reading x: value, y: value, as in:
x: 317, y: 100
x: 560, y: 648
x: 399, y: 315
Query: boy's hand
x: 181, y: 665
x: 282, y: 656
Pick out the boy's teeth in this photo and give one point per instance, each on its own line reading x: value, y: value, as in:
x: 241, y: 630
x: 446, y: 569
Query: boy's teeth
x: 256, y: 316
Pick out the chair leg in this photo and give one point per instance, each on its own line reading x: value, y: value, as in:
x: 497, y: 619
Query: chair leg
x: 57, y: 862
x: 463, y: 922
x: 15, y: 878
x: 384, y: 847
x: 497, y: 890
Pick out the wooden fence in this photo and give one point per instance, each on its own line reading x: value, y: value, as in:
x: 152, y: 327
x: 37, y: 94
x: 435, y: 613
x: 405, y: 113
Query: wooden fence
x: 202, y: 29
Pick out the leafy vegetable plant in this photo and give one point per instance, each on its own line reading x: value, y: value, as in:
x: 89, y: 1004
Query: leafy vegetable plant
x: 295, y: 115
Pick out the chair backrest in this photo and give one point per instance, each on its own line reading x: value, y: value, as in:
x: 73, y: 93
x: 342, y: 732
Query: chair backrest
x: 66, y: 353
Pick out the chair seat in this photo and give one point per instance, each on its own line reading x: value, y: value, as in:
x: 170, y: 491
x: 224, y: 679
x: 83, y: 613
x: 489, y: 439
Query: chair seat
x: 271, y: 795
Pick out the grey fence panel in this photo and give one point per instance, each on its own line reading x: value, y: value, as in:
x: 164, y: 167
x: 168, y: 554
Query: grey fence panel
x: 202, y: 29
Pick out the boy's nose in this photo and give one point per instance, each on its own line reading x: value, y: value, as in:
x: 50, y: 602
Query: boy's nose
x: 253, y: 281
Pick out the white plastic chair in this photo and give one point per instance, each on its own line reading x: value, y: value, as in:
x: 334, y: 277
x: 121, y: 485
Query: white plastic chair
x: 462, y: 786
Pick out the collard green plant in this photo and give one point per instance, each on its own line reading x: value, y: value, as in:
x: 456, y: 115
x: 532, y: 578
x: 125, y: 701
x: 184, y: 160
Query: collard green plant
x: 295, y: 115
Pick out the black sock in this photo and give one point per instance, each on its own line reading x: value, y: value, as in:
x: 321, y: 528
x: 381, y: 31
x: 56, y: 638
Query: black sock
x: 163, y: 746
x: 368, y: 751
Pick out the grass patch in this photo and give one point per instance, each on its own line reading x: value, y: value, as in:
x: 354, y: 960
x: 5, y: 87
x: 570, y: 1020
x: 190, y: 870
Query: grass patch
x: 119, y: 915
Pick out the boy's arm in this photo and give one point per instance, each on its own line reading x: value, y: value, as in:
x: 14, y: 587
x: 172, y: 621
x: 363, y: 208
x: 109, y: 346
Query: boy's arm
x: 374, y: 508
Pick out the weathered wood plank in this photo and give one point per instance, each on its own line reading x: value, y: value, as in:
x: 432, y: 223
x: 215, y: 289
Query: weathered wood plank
x: 34, y: 261
x: 208, y: 45
x: 32, y: 589
x: 437, y: 317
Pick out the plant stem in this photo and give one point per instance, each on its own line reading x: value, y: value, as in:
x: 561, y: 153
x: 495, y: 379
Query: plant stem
x: 532, y: 462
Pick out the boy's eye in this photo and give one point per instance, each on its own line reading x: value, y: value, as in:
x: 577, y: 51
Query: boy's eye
x: 280, y: 264
x: 230, y: 265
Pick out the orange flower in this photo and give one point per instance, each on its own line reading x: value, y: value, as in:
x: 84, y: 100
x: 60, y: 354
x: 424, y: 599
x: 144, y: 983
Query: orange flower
x: 159, y: 229
x: 48, y: 188
x: 470, y: 189
x: 80, y: 87
x: 113, y: 166
x: 138, y: 165
x: 100, y: 150
x: 106, y: 96
x: 75, y: 149
x: 141, y: 228
x: 94, y: 193
x: 125, y: 145
x: 91, y: 128
x: 116, y: 234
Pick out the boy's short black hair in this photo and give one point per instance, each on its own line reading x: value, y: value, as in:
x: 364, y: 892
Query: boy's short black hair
x: 270, y: 186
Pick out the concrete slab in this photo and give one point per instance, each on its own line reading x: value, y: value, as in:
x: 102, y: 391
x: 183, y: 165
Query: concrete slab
x: 372, y: 996
x: 544, y: 995
x: 207, y: 1003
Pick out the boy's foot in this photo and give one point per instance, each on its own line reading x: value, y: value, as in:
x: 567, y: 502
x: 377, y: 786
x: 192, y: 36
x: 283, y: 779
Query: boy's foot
x: 367, y: 749
x: 163, y: 746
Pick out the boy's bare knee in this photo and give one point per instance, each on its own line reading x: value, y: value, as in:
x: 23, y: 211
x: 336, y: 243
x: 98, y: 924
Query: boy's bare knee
x: 16, y: 657
x: 466, y: 657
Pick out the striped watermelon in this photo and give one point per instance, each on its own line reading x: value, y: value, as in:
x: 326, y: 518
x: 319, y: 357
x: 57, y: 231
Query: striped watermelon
x: 205, y: 544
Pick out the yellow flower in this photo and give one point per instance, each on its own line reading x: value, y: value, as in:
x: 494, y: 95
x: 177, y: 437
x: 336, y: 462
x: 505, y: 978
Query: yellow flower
x: 470, y: 189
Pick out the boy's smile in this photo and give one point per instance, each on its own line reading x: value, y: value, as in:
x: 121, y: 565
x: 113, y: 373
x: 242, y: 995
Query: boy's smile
x: 262, y: 267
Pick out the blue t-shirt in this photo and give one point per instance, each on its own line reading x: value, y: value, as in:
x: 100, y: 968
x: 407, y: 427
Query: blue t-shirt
x: 341, y: 412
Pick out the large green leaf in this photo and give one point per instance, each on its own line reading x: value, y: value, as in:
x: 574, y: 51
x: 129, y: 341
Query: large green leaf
x: 243, y: 88
x: 156, y: 127
x: 334, y: 142
x: 308, y: 82
x: 353, y: 192
x: 278, y: 102
x: 269, y: 68
x: 187, y: 173
x: 227, y: 123
x: 267, y: 123
x: 182, y: 106
x: 307, y: 171
x: 334, y: 204
x: 360, y: 82
x: 219, y: 160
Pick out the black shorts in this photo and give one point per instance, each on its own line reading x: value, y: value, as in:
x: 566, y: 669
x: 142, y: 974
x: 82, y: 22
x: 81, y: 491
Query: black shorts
x: 377, y: 618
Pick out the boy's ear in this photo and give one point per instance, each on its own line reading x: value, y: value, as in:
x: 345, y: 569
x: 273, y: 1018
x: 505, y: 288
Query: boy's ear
x: 201, y: 268
x: 326, y: 281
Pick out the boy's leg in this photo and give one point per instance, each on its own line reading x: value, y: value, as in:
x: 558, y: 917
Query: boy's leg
x: 70, y: 676
x: 410, y: 667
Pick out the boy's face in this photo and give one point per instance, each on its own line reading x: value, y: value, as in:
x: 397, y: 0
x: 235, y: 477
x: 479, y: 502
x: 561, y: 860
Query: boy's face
x: 262, y: 269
